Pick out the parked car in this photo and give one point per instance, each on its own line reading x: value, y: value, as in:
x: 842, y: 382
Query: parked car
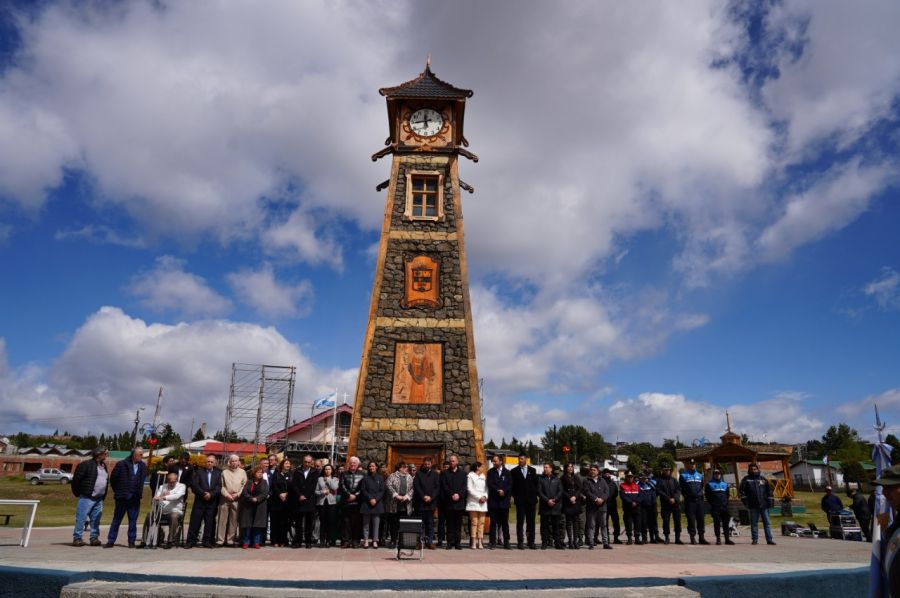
x: 48, y: 475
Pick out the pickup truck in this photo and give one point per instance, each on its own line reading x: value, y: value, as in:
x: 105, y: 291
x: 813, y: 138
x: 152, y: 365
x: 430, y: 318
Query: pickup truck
x: 48, y: 475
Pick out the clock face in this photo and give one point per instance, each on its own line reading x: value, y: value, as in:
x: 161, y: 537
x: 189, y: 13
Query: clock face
x: 426, y: 122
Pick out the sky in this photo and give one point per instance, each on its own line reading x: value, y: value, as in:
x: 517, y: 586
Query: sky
x: 680, y: 208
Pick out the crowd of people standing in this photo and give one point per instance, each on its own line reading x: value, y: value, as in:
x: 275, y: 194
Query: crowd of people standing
x: 315, y: 504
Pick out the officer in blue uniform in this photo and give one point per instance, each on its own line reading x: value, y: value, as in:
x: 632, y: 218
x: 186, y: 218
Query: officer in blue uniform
x: 717, y: 497
x: 691, y: 482
x: 647, y: 502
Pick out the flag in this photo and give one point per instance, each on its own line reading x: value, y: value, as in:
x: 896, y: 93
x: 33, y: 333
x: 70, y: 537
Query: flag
x: 326, y: 401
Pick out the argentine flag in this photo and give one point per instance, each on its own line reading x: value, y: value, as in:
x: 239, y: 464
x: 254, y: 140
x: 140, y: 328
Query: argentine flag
x: 326, y: 401
x: 881, y: 456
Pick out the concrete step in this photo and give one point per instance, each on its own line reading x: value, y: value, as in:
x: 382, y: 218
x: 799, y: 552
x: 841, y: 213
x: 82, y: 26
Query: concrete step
x: 107, y: 589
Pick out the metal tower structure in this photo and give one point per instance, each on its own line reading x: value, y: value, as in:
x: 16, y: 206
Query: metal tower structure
x: 259, y: 402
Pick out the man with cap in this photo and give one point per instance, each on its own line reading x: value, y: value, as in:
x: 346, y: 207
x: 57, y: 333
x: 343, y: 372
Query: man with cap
x: 890, y: 538
x: 669, y: 502
x: 861, y: 511
x: 612, y: 505
x: 647, y: 501
x: 630, y: 492
x: 831, y: 503
x: 691, y: 484
x: 717, y: 497
x: 756, y: 494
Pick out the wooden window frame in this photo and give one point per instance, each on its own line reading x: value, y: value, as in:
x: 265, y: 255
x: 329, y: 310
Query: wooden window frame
x: 410, y: 174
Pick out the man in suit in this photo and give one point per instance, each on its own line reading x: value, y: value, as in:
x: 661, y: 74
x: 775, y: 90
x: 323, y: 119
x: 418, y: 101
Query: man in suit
x: 499, y: 483
x: 426, y: 490
x: 127, y: 481
x: 304, y: 500
x: 524, y: 491
x: 207, y: 487
x: 454, y: 489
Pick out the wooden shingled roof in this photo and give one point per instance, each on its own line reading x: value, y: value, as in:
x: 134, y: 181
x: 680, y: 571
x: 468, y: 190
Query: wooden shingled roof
x: 426, y: 86
x: 763, y: 452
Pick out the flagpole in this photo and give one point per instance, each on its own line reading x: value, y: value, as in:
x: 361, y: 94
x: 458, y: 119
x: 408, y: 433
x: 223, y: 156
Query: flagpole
x: 334, y: 427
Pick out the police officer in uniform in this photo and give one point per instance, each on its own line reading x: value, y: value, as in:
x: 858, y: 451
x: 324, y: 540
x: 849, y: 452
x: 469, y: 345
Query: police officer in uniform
x: 691, y: 484
x: 670, y: 503
x: 647, y: 502
x: 717, y: 497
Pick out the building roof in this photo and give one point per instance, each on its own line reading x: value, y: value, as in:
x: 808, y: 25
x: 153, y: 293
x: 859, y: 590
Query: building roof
x: 236, y: 448
x: 867, y: 465
x: 762, y: 452
x: 309, y: 421
x: 426, y: 86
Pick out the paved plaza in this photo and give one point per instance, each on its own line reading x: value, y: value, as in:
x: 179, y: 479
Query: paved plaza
x: 650, y: 566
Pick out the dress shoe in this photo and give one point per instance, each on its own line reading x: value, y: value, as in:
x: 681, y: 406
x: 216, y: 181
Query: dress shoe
x: 678, y: 541
x: 755, y: 542
x: 729, y: 542
x: 770, y: 542
x: 617, y: 541
x: 703, y: 541
x: 607, y: 547
x: 458, y: 547
x: 431, y: 547
x: 77, y: 542
x: 718, y: 541
x: 131, y: 545
x: 532, y: 546
x: 506, y: 546
x: 96, y: 542
x: 208, y: 545
x: 189, y: 545
x: 167, y: 546
x: 520, y: 546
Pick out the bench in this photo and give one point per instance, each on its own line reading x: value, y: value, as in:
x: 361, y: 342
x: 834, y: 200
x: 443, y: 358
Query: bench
x: 6, y: 518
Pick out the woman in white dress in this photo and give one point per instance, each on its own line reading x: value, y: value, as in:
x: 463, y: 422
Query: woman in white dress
x: 476, y: 504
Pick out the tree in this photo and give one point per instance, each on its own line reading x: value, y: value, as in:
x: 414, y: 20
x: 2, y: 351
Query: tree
x: 894, y: 443
x: 843, y: 443
x: 670, y: 445
x: 198, y: 435
x: 582, y: 444
x: 635, y: 464
x: 853, y: 472
x: 490, y: 445
x: 663, y: 459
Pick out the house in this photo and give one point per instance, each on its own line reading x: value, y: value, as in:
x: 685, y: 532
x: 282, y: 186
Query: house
x: 317, y: 435
x: 812, y: 474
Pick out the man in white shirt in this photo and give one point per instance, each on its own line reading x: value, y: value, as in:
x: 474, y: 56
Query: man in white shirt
x: 169, y: 499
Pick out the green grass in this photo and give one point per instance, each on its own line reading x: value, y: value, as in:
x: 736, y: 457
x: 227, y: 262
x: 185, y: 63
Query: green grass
x: 57, y: 505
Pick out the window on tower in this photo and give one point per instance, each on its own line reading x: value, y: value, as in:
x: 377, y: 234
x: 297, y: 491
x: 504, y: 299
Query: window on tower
x: 424, y: 196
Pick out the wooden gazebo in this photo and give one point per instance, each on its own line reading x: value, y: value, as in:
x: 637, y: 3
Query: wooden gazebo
x: 732, y: 451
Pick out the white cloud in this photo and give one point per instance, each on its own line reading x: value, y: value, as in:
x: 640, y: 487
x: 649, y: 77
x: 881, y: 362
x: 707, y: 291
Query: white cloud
x: 296, y: 238
x: 885, y: 290
x: 168, y: 288
x: 260, y: 290
x: 887, y: 401
x: 828, y: 205
x: 115, y: 363
x: 102, y: 235
x: 846, y: 77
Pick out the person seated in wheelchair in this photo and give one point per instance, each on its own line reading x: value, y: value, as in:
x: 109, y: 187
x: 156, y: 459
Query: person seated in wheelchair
x: 168, y: 507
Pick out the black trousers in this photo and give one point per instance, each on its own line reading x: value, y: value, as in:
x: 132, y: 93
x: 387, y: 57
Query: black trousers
x: 866, y: 526
x: 304, y: 523
x: 648, y: 516
x: 205, y: 513
x: 632, y: 517
x: 612, y: 514
x: 551, y: 534
x: 454, y: 520
x: 720, y: 519
x: 693, y: 509
x: 673, y: 511
x: 525, y: 514
x: 327, y: 523
x: 352, y: 525
x: 442, y: 523
x: 499, y: 526
x: 279, y: 519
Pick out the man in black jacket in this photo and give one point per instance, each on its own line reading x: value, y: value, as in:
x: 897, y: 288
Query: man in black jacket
x: 89, y: 486
x: 499, y: 484
x: 550, y: 493
x: 454, y: 489
x: 670, y: 503
x: 756, y: 494
x: 426, y: 490
x: 303, y: 500
x: 127, y: 482
x: 524, y: 491
x: 207, y: 487
x: 612, y: 506
x: 597, y: 500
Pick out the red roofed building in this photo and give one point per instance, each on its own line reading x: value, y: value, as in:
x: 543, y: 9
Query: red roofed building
x: 315, y: 434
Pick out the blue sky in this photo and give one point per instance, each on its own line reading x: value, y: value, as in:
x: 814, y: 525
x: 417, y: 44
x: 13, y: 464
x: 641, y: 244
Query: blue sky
x: 678, y: 210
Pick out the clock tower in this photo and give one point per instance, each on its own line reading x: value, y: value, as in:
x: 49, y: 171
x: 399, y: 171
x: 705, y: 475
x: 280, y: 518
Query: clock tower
x: 418, y: 391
